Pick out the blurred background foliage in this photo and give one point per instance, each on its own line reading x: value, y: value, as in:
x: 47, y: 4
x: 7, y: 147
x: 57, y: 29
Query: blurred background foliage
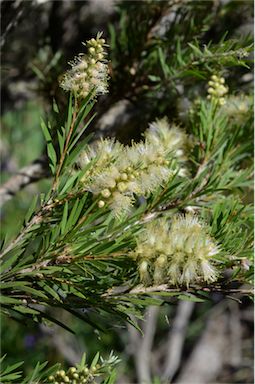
x: 155, y: 70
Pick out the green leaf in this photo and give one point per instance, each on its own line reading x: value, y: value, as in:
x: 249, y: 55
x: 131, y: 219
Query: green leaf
x: 38, y: 72
x: 154, y: 78
x: 11, y: 368
x: 95, y: 360
x: 190, y: 297
x: 50, y: 290
x: 9, y: 300
x: 83, y: 111
x: 45, y: 131
x: 81, y: 133
x: 36, y: 372
x: 11, y: 376
x: 68, y: 184
x: 8, y: 260
x: 55, y: 106
x: 111, y: 379
x: 75, y: 213
x: 50, y: 148
x: 25, y: 310
x: 64, y: 219
x: 195, y: 49
x: 31, y: 209
x: 72, y: 156
x: 144, y: 301
x: 83, y: 360
x: 61, y: 140
x: 69, y: 114
x: 52, y: 154
x: 162, y: 61
x: 13, y: 284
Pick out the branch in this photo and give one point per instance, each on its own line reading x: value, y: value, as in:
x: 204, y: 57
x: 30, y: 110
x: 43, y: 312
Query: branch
x: 141, y: 346
x: 235, y: 335
x: 140, y: 289
x: 211, y: 351
x: 176, y: 339
x: 27, y: 175
x: 18, y: 11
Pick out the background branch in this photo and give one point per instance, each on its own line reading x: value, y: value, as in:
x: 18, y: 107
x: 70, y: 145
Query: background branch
x: 141, y: 345
x: 176, y: 339
x: 25, y: 176
x: 209, y: 354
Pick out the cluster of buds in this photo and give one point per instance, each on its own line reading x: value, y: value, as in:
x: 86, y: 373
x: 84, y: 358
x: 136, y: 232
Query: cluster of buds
x: 120, y: 173
x: 176, y: 254
x: 89, y: 72
x: 74, y: 376
x: 216, y: 89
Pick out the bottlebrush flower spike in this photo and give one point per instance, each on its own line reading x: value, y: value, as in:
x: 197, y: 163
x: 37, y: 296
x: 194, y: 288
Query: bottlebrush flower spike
x: 89, y: 71
x: 172, y: 139
x: 217, y: 89
x: 179, y: 254
x: 121, y: 173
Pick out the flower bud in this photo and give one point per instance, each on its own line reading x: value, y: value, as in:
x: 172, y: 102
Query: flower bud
x: 122, y: 187
x: 62, y: 373
x: 161, y: 260
x: 101, y: 204
x: 106, y: 193
x: 92, y: 50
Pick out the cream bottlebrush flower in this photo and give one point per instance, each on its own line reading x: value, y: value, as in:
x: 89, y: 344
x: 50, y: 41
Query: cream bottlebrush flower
x: 179, y: 254
x: 193, y: 249
x: 89, y: 71
x: 120, y: 174
x: 171, y: 139
x: 103, y: 152
x: 238, y: 107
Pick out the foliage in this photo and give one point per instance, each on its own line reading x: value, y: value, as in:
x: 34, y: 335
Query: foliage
x: 76, y: 250
x: 98, y: 370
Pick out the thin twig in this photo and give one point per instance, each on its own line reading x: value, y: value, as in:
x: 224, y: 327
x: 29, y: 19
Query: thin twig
x: 165, y: 288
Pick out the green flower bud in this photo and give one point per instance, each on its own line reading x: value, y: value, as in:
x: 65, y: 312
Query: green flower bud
x: 62, y: 373
x: 92, y: 50
x: 106, y: 193
x: 122, y: 187
x: 124, y: 176
x: 85, y: 371
x: 214, y: 78
x: 72, y: 369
